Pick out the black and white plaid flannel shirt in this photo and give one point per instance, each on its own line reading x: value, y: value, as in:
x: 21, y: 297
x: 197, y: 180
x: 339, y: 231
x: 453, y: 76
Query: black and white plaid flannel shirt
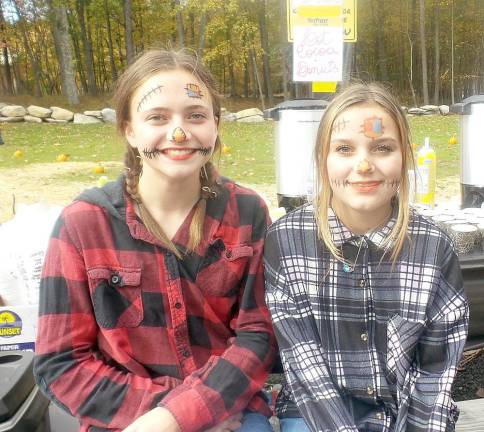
x: 373, y: 349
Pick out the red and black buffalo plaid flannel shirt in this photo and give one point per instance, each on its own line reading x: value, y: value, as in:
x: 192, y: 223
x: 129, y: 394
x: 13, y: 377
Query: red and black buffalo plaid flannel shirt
x: 125, y: 326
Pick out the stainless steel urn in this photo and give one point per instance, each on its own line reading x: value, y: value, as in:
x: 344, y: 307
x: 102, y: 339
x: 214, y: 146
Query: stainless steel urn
x: 296, y: 128
x: 471, y: 150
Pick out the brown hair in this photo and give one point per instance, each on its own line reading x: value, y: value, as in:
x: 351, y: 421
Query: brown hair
x: 360, y: 93
x: 148, y: 64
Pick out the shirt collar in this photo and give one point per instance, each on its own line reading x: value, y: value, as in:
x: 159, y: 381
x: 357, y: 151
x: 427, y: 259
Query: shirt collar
x: 340, y: 234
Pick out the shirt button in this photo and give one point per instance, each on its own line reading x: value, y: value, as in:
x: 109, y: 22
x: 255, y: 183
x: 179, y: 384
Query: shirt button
x: 364, y: 337
x: 178, y: 305
x: 186, y: 353
x: 370, y: 390
x: 228, y: 254
x: 168, y: 254
x: 362, y: 283
x: 115, y: 279
x: 379, y: 416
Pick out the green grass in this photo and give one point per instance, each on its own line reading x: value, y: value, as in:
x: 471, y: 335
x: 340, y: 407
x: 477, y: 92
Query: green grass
x: 250, y: 160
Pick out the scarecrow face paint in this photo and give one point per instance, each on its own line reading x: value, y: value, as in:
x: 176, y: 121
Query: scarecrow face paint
x: 173, y: 131
x: 364, y: 163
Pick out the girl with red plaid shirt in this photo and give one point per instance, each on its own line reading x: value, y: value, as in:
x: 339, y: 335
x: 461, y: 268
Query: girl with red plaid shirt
x: 152, y: 314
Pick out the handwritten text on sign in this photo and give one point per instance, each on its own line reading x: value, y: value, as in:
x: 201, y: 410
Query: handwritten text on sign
x: 318, y: 53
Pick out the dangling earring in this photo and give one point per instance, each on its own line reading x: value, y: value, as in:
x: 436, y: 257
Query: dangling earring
x: 203, y: 173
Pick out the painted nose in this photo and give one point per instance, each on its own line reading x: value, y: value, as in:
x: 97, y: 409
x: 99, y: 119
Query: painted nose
x: 364, y: 166
x: 178, y: 135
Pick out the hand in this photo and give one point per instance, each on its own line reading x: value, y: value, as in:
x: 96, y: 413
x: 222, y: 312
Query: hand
x: 228, y: 425
x: 157, y: 420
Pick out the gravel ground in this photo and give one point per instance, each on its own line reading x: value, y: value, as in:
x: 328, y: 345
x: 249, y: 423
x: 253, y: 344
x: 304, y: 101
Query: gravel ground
x: 469, y: 382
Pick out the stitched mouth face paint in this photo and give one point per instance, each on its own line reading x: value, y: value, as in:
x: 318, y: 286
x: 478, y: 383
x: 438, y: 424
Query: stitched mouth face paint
x: 148, y: 94
x: 204, y: 151
x: 178, y: 135
x: 194, y: 91
x: 151, y: 154
x: 372, y: 127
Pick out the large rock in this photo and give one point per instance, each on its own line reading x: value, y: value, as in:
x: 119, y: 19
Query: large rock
x: 13, y: 111
x: 249, y: 113
x: 97, y: 114
x: 38, y: 111
x: 430, y: 108
x: 11, y: 119
x: 109, y: 115
x: 251, y: 119
x: 416, y: 111
x: 229, y: 117
x: 52, y: 120
x: 85, y: 119
x: 444, y: 109
x: 61, y: 114
x: 32, y: 119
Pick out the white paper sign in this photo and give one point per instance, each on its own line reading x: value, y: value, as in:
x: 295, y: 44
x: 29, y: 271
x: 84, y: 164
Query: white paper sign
x: 318, y: 53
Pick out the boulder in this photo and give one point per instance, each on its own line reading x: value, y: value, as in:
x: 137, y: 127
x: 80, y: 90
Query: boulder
x: 444, y: 109
x: 11, y: 119
x: 13, y: 111
x: 109, y: 115
x: 38, y: 111
x: 2, y: 104
x: 251, y: 119
x: 229, y: 117
x: 249, y: 113
x: 96, y: 114
x: 416, y: 111
x: 52, y: 120
x: 32, y: 119
x: 61, y: 114
x: 85, y: 119
x: 430, y: 108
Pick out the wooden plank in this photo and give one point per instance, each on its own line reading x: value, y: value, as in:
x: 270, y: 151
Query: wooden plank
x: 471, y: 418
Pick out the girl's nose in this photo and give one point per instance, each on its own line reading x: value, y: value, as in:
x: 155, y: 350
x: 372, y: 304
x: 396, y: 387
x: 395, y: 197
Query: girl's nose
x: 178, y: 135
x: 364, y: 166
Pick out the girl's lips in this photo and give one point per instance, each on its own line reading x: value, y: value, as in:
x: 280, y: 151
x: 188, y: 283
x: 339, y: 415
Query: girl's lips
x: 178, y: 154
x: 368, y: 186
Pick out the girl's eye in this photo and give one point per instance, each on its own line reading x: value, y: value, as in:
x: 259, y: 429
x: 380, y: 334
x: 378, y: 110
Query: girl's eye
x: 345, y: 149
x: 384, y: 148
x: 156, y: 118
x: 197, y: 116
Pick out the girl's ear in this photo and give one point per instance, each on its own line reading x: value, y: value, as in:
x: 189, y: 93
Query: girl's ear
x: 129, y: 134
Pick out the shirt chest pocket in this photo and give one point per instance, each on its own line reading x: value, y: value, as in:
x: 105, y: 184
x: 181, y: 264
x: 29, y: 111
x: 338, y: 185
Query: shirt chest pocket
x: 402, y: 340
x: 223, y: 269
x: 117, y: 296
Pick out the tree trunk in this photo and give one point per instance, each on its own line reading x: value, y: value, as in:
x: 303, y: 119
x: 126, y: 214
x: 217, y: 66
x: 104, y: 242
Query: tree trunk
x: 77, y: 51
x: 256, y: 74
x: 437, y: 54
x: 128, y: 31
x: 28, y: 49
x: 347, y: 61
x: 6, y: 58
x: 179, y: 25
x: 264, y: 40
x: 201, y: 37
x: 86, y: 43
x: 112, y: 63
x: 378, y: 18
x: 423, y: 50
x: 63, y: 50
x: 284, y: 49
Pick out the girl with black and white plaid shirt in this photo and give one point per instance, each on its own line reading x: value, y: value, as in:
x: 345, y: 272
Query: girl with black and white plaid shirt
x: 366, y: 295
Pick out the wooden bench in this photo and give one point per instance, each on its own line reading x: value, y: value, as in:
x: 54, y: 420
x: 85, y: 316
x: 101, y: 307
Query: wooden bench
x: 471, y: 418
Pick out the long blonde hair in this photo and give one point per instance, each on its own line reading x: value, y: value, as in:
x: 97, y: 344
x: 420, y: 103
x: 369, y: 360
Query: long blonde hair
x: 148, y: 64
x: 359, y: 93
